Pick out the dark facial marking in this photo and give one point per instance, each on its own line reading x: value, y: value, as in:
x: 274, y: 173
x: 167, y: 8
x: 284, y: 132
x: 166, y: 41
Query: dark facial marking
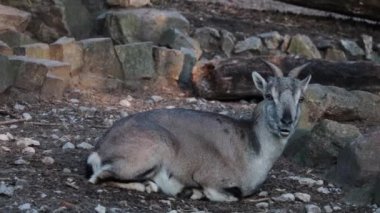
x: 287, y: 117
x: 246, y: 128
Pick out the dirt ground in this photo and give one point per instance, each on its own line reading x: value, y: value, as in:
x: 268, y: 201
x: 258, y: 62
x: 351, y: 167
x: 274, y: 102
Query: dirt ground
x: 84, y: 116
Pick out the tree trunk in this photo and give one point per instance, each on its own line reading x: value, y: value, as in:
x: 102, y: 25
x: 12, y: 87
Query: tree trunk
x: 230, y: 79
x: 369, y: 9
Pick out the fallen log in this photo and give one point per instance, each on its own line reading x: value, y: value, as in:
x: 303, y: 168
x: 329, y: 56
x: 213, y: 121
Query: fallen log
x: 230, y: 79
x: 369, y: 9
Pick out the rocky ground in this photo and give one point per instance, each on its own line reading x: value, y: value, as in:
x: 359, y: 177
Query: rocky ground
x: 42, y: 159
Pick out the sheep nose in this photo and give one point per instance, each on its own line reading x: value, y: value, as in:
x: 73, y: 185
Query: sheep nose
x: 286, y: 120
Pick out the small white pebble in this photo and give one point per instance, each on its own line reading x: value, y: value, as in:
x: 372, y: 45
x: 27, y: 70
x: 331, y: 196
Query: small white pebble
x: 191, y: 100
x: 24, y: 142
x: 100, y: 209
x: 66, y: 170
x: 287, y: 197
x: 311, y: 208
x: 262, y: 205
x: 25, y: 206
x: 319, y: 182
x: 125, y: 103
x: 4, y: 137
x: 263, y: 194
x: 19, y: 107
x: 156, y: 98
x: 165, y: 202
x: 74, y: 101
x: 68, y: 145
x: 337, y: 208
x: 29, y: 151
x: 302, y: 197
x: 85, y: 145
x: 323, y: 190
x: 328, y: 209
x: 124, y: 114
x: 21, y: 161
x: 48, y: 160
x: 26, y: 116
x: 5, y: 148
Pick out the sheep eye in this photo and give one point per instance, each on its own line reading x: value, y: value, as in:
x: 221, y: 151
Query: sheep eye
x: 269, y: 96
x: 302, y: 99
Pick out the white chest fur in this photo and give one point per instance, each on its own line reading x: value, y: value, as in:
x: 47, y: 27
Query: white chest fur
x: 260, y: 165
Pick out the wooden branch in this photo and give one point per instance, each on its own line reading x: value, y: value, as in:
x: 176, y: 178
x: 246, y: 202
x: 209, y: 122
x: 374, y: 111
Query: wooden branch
x: 44, y: 124
x: 369, y: 9
x: 12, y: 122
x: 28, y: 122
x: 257, y: 200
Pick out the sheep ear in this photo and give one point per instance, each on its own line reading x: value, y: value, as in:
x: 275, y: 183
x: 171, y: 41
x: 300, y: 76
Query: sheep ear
x: 259, y: 81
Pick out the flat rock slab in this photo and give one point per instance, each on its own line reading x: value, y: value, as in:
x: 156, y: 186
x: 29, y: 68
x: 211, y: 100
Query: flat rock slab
x: 137, y: 60
x: 67, y: 50
x: 99, y: 62
x: 169, y: 62
x: 36, y: 50
x: 143, y: 24
x: 31, y: 73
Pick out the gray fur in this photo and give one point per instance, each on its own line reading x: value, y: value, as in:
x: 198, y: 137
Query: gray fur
x: 221, y: 156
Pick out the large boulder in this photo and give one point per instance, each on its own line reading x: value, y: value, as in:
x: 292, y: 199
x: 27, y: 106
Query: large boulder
x: 358, y: 170
x: 209, y: 38
x: 359, y: 163
x: 142, y: 24
x: 14, y: 19
x: 53, y: 19
x: 186, y: 76
x: 228, y: 42
x: 335, y: 54
x: 14, y: 38
x: 100, y: 64
x: 177, y: 39
x: 8, y: 75
x: 303, y: 46
x: 321, y: 146
x: 352, y: 49
x: 252, y: 43
x: 272, y: 40
x: 341, y: 105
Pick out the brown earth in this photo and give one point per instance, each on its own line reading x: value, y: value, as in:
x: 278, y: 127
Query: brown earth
x: 48, y: 187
